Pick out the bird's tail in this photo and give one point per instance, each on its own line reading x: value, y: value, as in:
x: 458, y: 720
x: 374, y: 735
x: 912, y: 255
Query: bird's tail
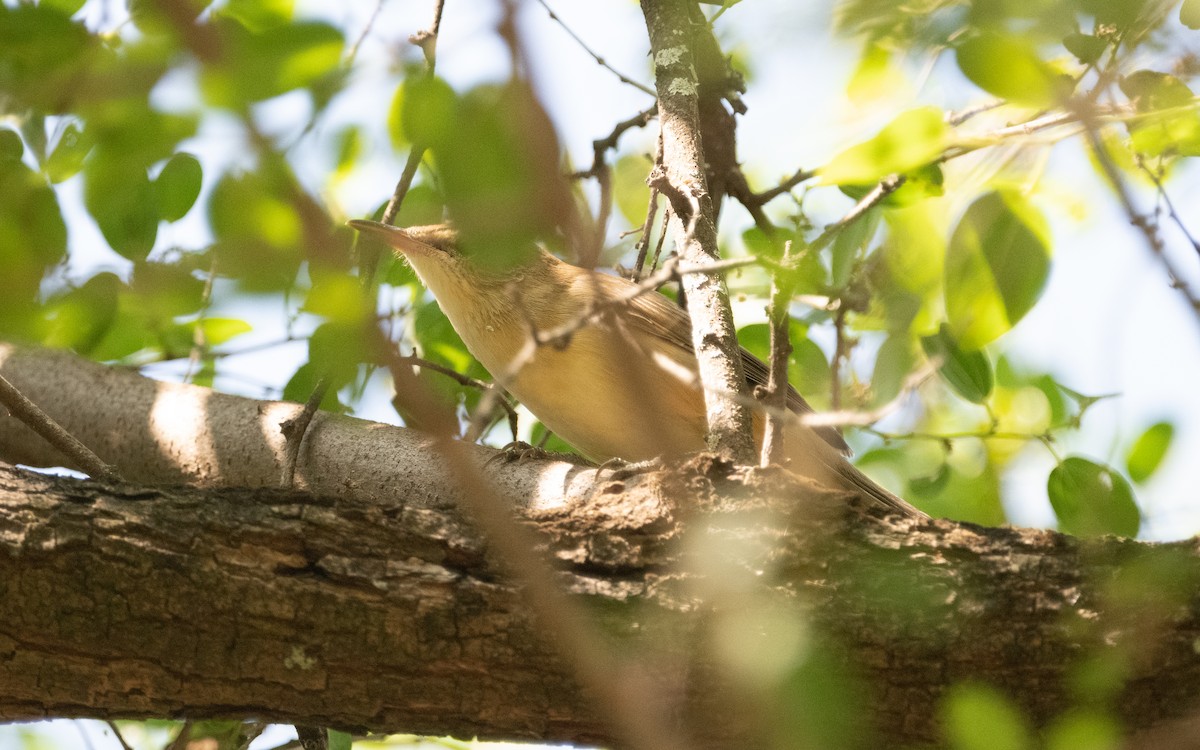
x: 860, y: 481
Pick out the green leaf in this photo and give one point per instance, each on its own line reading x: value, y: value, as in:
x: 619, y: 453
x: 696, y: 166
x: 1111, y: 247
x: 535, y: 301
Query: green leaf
x: 850, y: 244
x: 80, y: 318
x: 428, y: 110
x: 279, y: 59
x: 43, y: 54
x: 67, y: 7
x: 1084, y: 728
x: 258, y: 232
x: 33, y: 238
x: 630, y: 190
x: 177, y: 186
x: 1086, y: 48
x: 893, y: 363
x: 217, y: 331
x: 120, y: 198
x: 339, y: 740
x: 165, y: 290
x: 909, y: 142
x: 68, y: 155
x: 968, y: 372
x: 996, y: 267
x: 11, y: 148
x: 979, y: 717
x: 1148, y: 451
x: 259, y: 15
x: 1008, y: 67
x: 395, y: 119
x: 1092, y: 499
x: 1173, y: 127
x: 1189, y: 14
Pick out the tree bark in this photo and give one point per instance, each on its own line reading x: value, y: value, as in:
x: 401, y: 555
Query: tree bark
x: 376, y: 606
x: 693, y: 224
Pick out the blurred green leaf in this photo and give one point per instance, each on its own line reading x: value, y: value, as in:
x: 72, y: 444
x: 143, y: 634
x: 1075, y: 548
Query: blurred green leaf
x: 1148, y: 451
x: 893, y: 363
x: 1189, y: 14
x: 428, y: 110
x: 1084, y: 728
x: 1091, y: 499
x: 33, y: 238
x: 259, y: 15
x: 1085, y: 47
x: 1007, y: 66
x: 808, y: 368
x: 177, y: 186
x: 165, y: 291
x: 436, y: 339
x: 1123, y: 14
x: 339, y: 740
x: 968, y: 372
x: 1173, y: 124
x: 217, y: 331
x: 849, y: 244
x: 980, y: 717
x: 395, y: 119
x: 258, y: 231
x: 11, y: 147
x: 909, y: 142
x: 996, y: 267
x: 629, y: 187
x: 80, y: 318
x: 68, y: 155
x: 43, y: 57
x: 68, y: 7
x: 120, y: 198
x: 271, y: 62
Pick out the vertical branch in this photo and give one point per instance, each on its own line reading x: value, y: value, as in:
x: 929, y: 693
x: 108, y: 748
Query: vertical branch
x: 781, y: 350
x: 682, y: 180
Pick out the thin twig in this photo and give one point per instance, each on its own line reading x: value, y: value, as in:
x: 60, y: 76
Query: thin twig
x: 296, y: 428
x: 1166, y: 199
x: 43, y: 424
x: 353, y: 53
x: 1147, y: 226
x: 599, y: 60
x: 117, y: 733
x: 766, y: 196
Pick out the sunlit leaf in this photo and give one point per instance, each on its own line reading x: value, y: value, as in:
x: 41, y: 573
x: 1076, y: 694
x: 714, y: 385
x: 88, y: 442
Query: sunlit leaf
x: 1008, y: 67
x: 996, y: 267
x: 1084, y: 728
x: 166, y: 290
x: 395, y: 119
x: 912, y: 140
x: 217, y: 331
x: 630, y: 190
x: 68, y: 155
x: 259, y: 15
x: 979, y: 717
x: 428, y: 110
x: 276, y: 60
x: 1173, y: 126
x: 339, y: 740
x: 968, y: 372
x: 177, y: 186
x: 1189, y: 14
x: 258, y: 231
x: 33, y: 237
x: 1092, y: 499
x: 1148, y: 451
x: 11, y: 147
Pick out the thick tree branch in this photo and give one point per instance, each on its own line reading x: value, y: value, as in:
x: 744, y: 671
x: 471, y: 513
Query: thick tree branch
x: 389, y: 616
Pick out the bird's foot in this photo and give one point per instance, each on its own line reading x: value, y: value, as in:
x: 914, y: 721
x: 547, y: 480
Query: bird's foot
x: 519, y: 450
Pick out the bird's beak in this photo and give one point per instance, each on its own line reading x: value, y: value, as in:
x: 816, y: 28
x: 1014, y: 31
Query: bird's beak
x: 403, y: 240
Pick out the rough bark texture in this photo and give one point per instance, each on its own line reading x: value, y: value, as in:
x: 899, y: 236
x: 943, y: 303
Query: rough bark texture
x: 127, y: 601
x: 693, y: 223
x: 372, y: 603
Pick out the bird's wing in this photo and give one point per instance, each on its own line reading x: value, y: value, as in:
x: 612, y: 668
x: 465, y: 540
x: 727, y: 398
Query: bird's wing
x: 658, y: 316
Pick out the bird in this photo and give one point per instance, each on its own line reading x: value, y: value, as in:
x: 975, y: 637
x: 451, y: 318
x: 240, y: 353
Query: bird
x: 621, y: 383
